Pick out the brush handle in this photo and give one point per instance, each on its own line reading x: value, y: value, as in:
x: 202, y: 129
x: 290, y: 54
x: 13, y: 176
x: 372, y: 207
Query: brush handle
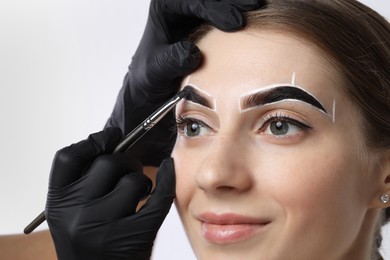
x: 35, y: 223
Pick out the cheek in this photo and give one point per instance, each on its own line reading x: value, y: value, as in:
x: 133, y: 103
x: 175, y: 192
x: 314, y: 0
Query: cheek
x: 314, y: 187
x: 323, y: 168
x: 311, y: 184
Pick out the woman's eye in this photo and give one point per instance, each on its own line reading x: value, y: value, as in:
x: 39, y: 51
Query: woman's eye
x: 191, y: 127
x: 283, y: 127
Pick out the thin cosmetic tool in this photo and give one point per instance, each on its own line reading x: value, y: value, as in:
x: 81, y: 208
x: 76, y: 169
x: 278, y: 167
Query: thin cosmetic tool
x: 127, y: 142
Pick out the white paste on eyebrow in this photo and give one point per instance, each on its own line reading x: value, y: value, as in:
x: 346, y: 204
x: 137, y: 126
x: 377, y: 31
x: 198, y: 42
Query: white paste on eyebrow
x: 264, y: 89
x: 186, y: 80
x: 204, y: 93
x: 334, y: 111
x: 293, y: 79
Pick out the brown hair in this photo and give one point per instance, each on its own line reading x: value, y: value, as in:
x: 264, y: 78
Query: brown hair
x: 357, y: 41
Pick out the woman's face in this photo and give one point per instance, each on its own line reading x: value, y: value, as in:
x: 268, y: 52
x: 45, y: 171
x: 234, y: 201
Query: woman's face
x: 267, y: 157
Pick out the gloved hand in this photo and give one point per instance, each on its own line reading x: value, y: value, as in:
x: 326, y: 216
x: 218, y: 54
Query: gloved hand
x: 92, y: 200
x: 162, y: 58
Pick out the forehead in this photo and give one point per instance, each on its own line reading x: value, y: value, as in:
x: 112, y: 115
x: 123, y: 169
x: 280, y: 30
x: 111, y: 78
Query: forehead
x: 240, y: 62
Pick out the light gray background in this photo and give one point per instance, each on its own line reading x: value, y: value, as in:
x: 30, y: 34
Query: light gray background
x: 61, y: 65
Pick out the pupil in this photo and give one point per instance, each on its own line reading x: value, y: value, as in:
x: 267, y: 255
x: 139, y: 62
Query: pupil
x: 279, y: 128
x: 193, y: 129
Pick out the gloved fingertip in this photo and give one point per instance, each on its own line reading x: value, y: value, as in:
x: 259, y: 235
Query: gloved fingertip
x: 193, y: 49
x: 148, y: 186
x: 230, y: 17
x: 261, y: 3
x: 195, y: 54
x: 163, y: 195
x: 166, y: 179
x: 228, y: 21
x: 190, y: 55
x: 167, y: 166
x: 249, y: 5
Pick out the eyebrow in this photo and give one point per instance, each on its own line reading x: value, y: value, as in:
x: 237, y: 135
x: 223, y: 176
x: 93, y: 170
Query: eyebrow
x: 278, y: 94
x: 195, y: 96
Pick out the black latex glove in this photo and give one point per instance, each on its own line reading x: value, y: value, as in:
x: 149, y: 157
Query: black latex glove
x: 163, y: 57
x: 93, y: 197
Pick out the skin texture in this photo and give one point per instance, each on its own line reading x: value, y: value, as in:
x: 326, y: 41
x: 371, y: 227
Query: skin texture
x: 309, y: 193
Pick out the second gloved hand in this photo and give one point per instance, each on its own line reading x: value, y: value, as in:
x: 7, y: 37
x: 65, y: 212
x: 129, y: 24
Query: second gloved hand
x: 92, y: 200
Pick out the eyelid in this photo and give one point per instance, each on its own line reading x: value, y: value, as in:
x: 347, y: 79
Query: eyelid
x: 199, y: 116
x: 292, y: 107
x: 205, y: 114
x: 183, y: 119
x: 281, y: 116
x: 188, y: 105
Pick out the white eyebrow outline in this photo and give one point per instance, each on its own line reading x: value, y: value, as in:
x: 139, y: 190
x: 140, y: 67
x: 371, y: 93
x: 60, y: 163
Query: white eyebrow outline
x: 273, y: 86
x: 334, y: 111
x: 206, y: 94
x: 263, y: 89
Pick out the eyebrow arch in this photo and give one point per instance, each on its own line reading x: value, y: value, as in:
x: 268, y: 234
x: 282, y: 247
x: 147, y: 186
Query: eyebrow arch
x: 195, y: 96
x: 280, y: 93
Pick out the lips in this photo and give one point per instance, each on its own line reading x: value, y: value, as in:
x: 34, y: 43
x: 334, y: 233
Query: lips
x: 230, y: 228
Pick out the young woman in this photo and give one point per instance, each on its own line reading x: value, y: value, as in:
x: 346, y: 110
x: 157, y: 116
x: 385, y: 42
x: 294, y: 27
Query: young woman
x: 282, y: 149
x: 163, y: 57
x: 283, y: 146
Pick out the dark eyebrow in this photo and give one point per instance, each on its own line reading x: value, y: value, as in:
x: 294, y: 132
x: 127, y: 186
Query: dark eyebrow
x: 278, y: 94
x: 195, y: 96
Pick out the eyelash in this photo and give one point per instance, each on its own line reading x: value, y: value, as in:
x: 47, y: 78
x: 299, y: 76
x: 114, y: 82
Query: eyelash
x: 278, y: 117
x: 184, y: 121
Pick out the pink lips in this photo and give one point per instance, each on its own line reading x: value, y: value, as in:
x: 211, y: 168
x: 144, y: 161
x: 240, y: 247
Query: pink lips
x: 229, y: 228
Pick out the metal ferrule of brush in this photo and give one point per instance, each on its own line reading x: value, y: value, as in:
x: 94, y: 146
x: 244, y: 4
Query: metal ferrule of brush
x: 159, y: 114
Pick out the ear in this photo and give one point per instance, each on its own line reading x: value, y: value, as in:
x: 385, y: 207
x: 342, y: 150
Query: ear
x: 382, y: 169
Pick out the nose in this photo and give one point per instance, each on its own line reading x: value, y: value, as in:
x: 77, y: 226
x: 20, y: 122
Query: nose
x: 225, y: 167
